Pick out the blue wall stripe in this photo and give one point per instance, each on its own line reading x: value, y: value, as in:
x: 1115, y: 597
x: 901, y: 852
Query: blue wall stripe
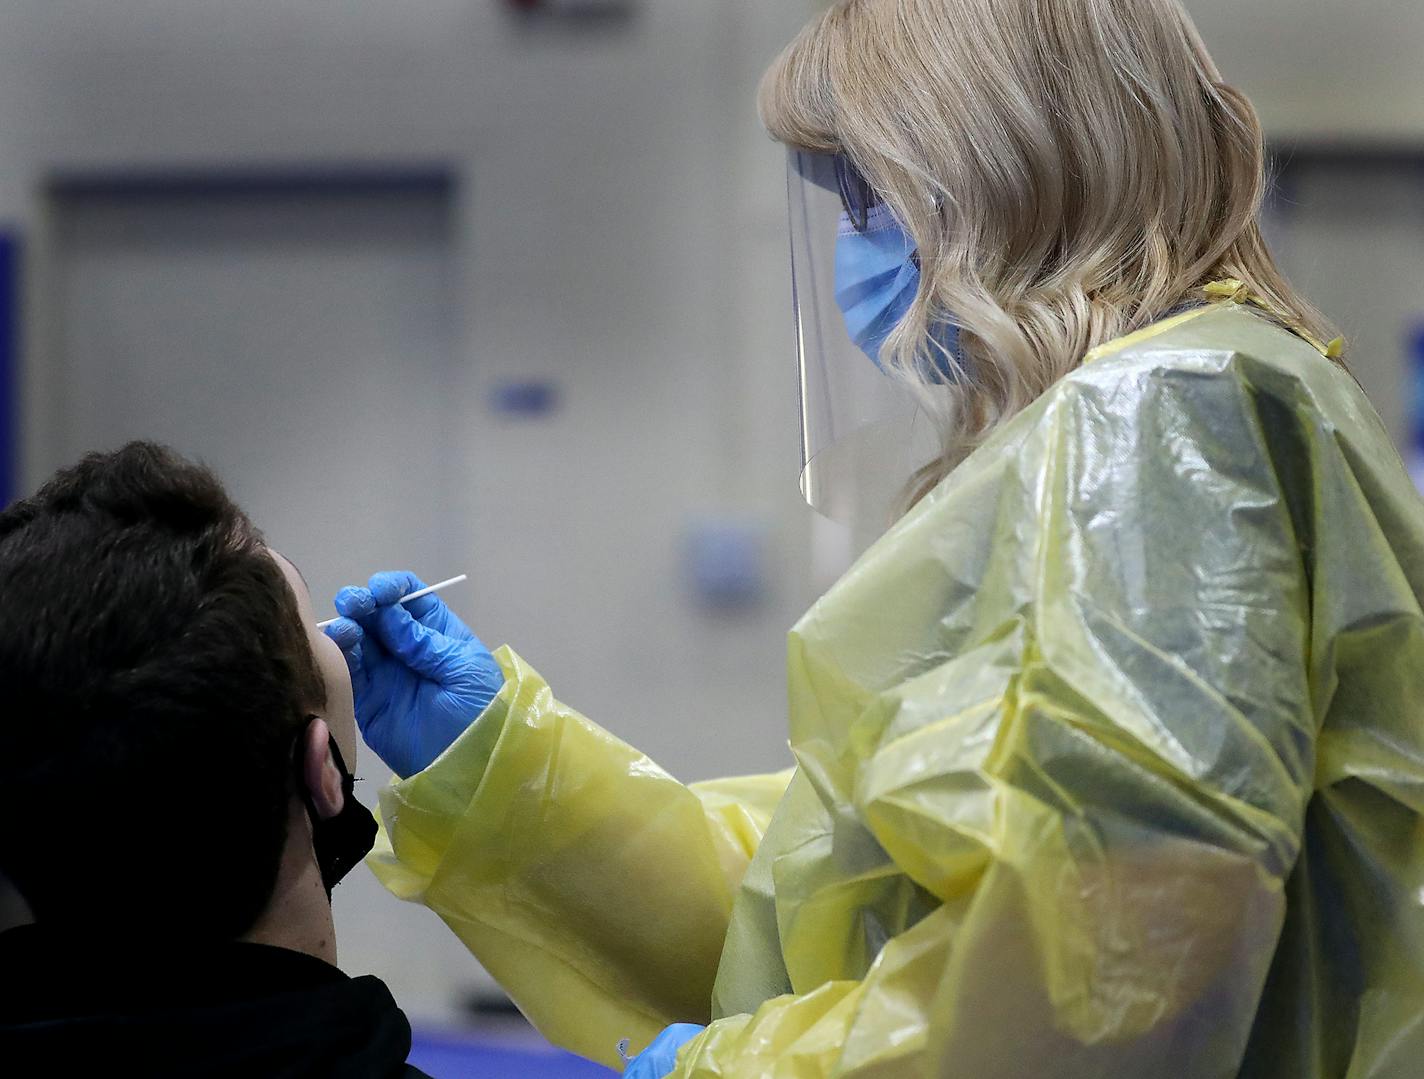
x: 10, y: 255
x: 356, y: 179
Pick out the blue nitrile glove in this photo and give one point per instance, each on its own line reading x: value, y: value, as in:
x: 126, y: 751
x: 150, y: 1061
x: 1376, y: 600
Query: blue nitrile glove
x: 659, y: 1058
x: 419, y: 675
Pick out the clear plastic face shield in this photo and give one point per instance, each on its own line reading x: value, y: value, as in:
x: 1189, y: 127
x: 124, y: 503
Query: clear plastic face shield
x: 853, y: 269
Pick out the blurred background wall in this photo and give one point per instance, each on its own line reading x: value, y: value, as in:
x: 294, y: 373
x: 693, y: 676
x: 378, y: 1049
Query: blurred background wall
x: 438, y: 286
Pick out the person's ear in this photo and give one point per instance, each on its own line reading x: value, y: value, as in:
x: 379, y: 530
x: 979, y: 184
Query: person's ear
x: 319, y: 771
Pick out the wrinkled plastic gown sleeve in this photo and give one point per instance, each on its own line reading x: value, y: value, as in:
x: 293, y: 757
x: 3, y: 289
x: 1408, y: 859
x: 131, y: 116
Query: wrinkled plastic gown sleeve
x: 1109, y: 757
x: 592, y: 885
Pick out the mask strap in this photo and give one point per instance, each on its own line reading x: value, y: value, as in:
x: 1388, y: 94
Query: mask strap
x: 339, y: 842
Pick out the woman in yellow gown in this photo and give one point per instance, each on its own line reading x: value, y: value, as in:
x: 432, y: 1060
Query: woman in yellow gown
x: 1110, y: 753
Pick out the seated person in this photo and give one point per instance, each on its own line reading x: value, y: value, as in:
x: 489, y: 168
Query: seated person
x: 177, y: 805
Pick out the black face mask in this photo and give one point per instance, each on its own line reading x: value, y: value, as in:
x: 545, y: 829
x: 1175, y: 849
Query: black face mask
x: 339, y: 842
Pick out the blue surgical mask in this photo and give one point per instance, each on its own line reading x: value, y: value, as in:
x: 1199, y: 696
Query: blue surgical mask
x: 877, y: 278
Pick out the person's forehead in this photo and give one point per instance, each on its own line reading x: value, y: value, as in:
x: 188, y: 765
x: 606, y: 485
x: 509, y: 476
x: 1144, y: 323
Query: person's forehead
x: 293, y: 574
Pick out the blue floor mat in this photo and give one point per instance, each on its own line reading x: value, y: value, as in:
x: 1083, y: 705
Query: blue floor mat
x: 497, y: 1056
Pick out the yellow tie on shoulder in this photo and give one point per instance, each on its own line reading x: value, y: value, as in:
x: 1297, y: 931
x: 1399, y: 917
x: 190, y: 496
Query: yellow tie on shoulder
x: 1232, y: 290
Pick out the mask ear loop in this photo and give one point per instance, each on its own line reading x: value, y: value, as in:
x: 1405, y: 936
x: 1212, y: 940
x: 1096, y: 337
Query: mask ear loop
x: 340, y: 842
x: 298, y: 760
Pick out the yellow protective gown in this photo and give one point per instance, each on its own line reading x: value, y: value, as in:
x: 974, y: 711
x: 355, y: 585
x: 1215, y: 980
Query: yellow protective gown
x: 1110, y: 762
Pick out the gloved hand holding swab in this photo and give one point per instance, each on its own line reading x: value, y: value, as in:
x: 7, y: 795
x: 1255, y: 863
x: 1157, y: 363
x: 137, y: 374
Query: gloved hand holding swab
x: 413, y: 596
x: 420, y: 676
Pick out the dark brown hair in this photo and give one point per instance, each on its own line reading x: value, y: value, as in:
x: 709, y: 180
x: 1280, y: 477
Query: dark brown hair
x: 155, y: 678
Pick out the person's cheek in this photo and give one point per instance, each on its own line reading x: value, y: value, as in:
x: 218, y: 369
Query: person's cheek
x: 340, y: 708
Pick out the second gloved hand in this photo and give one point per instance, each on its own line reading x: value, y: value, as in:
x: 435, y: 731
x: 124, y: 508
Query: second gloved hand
x: 419, y: 675
x: 660, y: 1058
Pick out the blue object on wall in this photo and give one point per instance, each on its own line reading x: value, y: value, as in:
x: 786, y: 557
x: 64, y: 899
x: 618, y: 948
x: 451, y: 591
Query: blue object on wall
x: 525, y: 398
x: 10, y: 254
x: 727, y: 563
x: 1414, y: 372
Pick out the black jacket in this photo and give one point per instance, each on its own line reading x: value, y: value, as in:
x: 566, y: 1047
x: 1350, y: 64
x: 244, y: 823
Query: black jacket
x: 76, y: 1008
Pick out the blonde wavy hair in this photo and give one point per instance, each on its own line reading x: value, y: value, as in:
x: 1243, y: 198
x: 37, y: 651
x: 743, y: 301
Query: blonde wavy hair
x: 1070, y: 171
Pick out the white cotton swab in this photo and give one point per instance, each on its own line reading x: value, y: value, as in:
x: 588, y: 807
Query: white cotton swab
x: 414, y: 595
